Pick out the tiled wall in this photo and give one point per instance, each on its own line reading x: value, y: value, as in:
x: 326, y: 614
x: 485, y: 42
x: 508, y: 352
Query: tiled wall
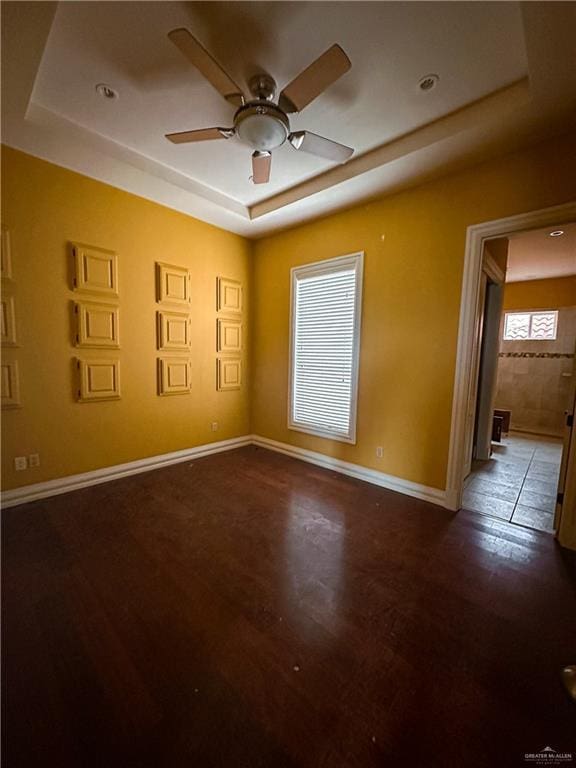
x: 534, y: 378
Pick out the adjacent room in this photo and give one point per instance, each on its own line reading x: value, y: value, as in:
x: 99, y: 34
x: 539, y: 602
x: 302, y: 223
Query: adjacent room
x: 288, y: 458
x: 525, y: 377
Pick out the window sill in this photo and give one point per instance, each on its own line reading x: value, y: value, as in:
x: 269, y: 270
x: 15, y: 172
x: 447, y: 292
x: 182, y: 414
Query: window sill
x: 323, y: 433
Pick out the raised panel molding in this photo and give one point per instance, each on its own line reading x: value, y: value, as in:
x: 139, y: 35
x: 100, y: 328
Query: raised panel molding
x: 229, y: 335
x: 98, y: 380
x: 228, y: 295
x: 95, y: 270
x: 97, y: 325
x: 10, y: 389
x: 228, y: 373
x: 173, y: 330
x: 172, y: 283
x: 8, y: 321
x: 5, y: 254
x: 173, y: 376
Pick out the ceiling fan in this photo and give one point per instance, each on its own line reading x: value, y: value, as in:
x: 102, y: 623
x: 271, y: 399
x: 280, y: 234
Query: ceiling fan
x: 259, y: 122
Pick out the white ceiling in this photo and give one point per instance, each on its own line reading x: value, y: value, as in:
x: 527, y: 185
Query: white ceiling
x: 53, y: 55
x: 536, y: 256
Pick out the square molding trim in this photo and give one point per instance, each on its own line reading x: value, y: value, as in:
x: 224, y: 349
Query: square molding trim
x: 229, y: 335
x: 173, y: 330
x: 172, y: 283
x: 228, y: 295
x: 95, y: 269
x: 97, y: 325
x: 5, y: 254
x: 8, y: 321
x: 229, y: 373
x: 10, y: 390
x: 99, y: 380
x: 173, y: 375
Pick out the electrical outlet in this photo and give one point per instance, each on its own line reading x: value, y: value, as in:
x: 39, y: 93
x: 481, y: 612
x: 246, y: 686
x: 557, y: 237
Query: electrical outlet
x: 214, y: 426
x: 379, y: 452
x: 20, y: 463
x: 34, y: 460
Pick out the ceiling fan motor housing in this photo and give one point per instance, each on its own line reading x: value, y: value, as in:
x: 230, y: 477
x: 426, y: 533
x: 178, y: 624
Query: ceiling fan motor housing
x: 262, y: 125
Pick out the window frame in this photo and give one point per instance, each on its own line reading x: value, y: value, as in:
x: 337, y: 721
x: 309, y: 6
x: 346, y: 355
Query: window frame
x: 316, y: 269
x: 530, y: 313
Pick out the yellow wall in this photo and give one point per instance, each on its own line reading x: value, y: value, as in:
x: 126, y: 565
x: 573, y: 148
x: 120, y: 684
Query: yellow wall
x: 414, y: 249
x: 541, y: 294
x: 45, y: 206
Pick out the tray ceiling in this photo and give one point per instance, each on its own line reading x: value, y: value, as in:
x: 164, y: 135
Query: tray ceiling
x: 477, y: 49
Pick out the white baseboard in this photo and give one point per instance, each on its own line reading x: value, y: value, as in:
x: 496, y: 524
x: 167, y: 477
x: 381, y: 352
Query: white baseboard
x: 74, y: 482
x: 407, y: 487
x: 61, y: 485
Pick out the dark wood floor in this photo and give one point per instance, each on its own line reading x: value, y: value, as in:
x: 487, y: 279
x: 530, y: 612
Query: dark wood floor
x: 252, y: 610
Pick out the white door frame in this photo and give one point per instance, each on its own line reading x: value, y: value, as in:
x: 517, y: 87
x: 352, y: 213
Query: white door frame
x: 475, y: 237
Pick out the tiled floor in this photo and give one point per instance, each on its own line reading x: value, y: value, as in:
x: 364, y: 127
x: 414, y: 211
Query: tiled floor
x: 519, y: 483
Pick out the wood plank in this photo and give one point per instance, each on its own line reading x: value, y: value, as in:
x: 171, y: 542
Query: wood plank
x: 250, y: 609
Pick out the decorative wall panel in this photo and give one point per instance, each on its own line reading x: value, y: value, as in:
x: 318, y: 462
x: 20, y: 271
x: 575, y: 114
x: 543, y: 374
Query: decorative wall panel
x: 8, y: 321
x: 173, y: 375
x: 98, y: 380
x: 173, y: 330
x: 229, y: 373
x: 229, y: 295
x: 5, y: 254
x: 229, y: 335
x: 172, y: 284
x: 97, y: 325
x: 95, y: 270
x: 10, y: 389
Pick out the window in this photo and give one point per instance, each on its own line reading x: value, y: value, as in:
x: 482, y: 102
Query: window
x: 533, y: 326
x: 325, y: 344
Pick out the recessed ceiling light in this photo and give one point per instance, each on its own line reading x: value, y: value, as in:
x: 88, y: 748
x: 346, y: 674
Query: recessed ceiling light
x: 556, y: 233
x: 106, y: 91
x: 428, y: 82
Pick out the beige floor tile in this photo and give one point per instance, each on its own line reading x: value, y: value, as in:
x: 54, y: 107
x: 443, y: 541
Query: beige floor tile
x: 533, y: 518
x: 548, y: 475
x: 545, y: 466
x: 488, y: 505
x: 500, y: 476
x: 548, y: 487
x: 490, y: 487
x: 518, y: 483
x: 536, y: 500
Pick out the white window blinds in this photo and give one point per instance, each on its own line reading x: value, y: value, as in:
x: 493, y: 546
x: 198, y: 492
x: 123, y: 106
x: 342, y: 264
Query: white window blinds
x: 325, y: 347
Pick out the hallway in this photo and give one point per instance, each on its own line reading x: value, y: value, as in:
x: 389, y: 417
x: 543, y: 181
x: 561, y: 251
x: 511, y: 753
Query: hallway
x: 518, y: 483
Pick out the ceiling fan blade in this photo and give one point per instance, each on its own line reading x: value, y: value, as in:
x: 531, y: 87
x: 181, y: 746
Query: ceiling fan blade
x: 207, y: 65
x: 261, y: 162
x: 203, y: 134
x: 318, y: 145
x: 314, y: 79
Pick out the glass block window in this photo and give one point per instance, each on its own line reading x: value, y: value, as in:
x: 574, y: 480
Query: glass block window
x: 530, y: 326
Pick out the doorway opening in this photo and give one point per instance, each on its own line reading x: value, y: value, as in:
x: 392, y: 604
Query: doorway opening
x: 468, y: 391
x: 525, y: 359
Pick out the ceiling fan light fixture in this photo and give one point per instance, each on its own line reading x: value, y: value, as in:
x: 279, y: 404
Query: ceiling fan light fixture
x: 259, y: 122
x: 262, y: 127
x: 556, y: 233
